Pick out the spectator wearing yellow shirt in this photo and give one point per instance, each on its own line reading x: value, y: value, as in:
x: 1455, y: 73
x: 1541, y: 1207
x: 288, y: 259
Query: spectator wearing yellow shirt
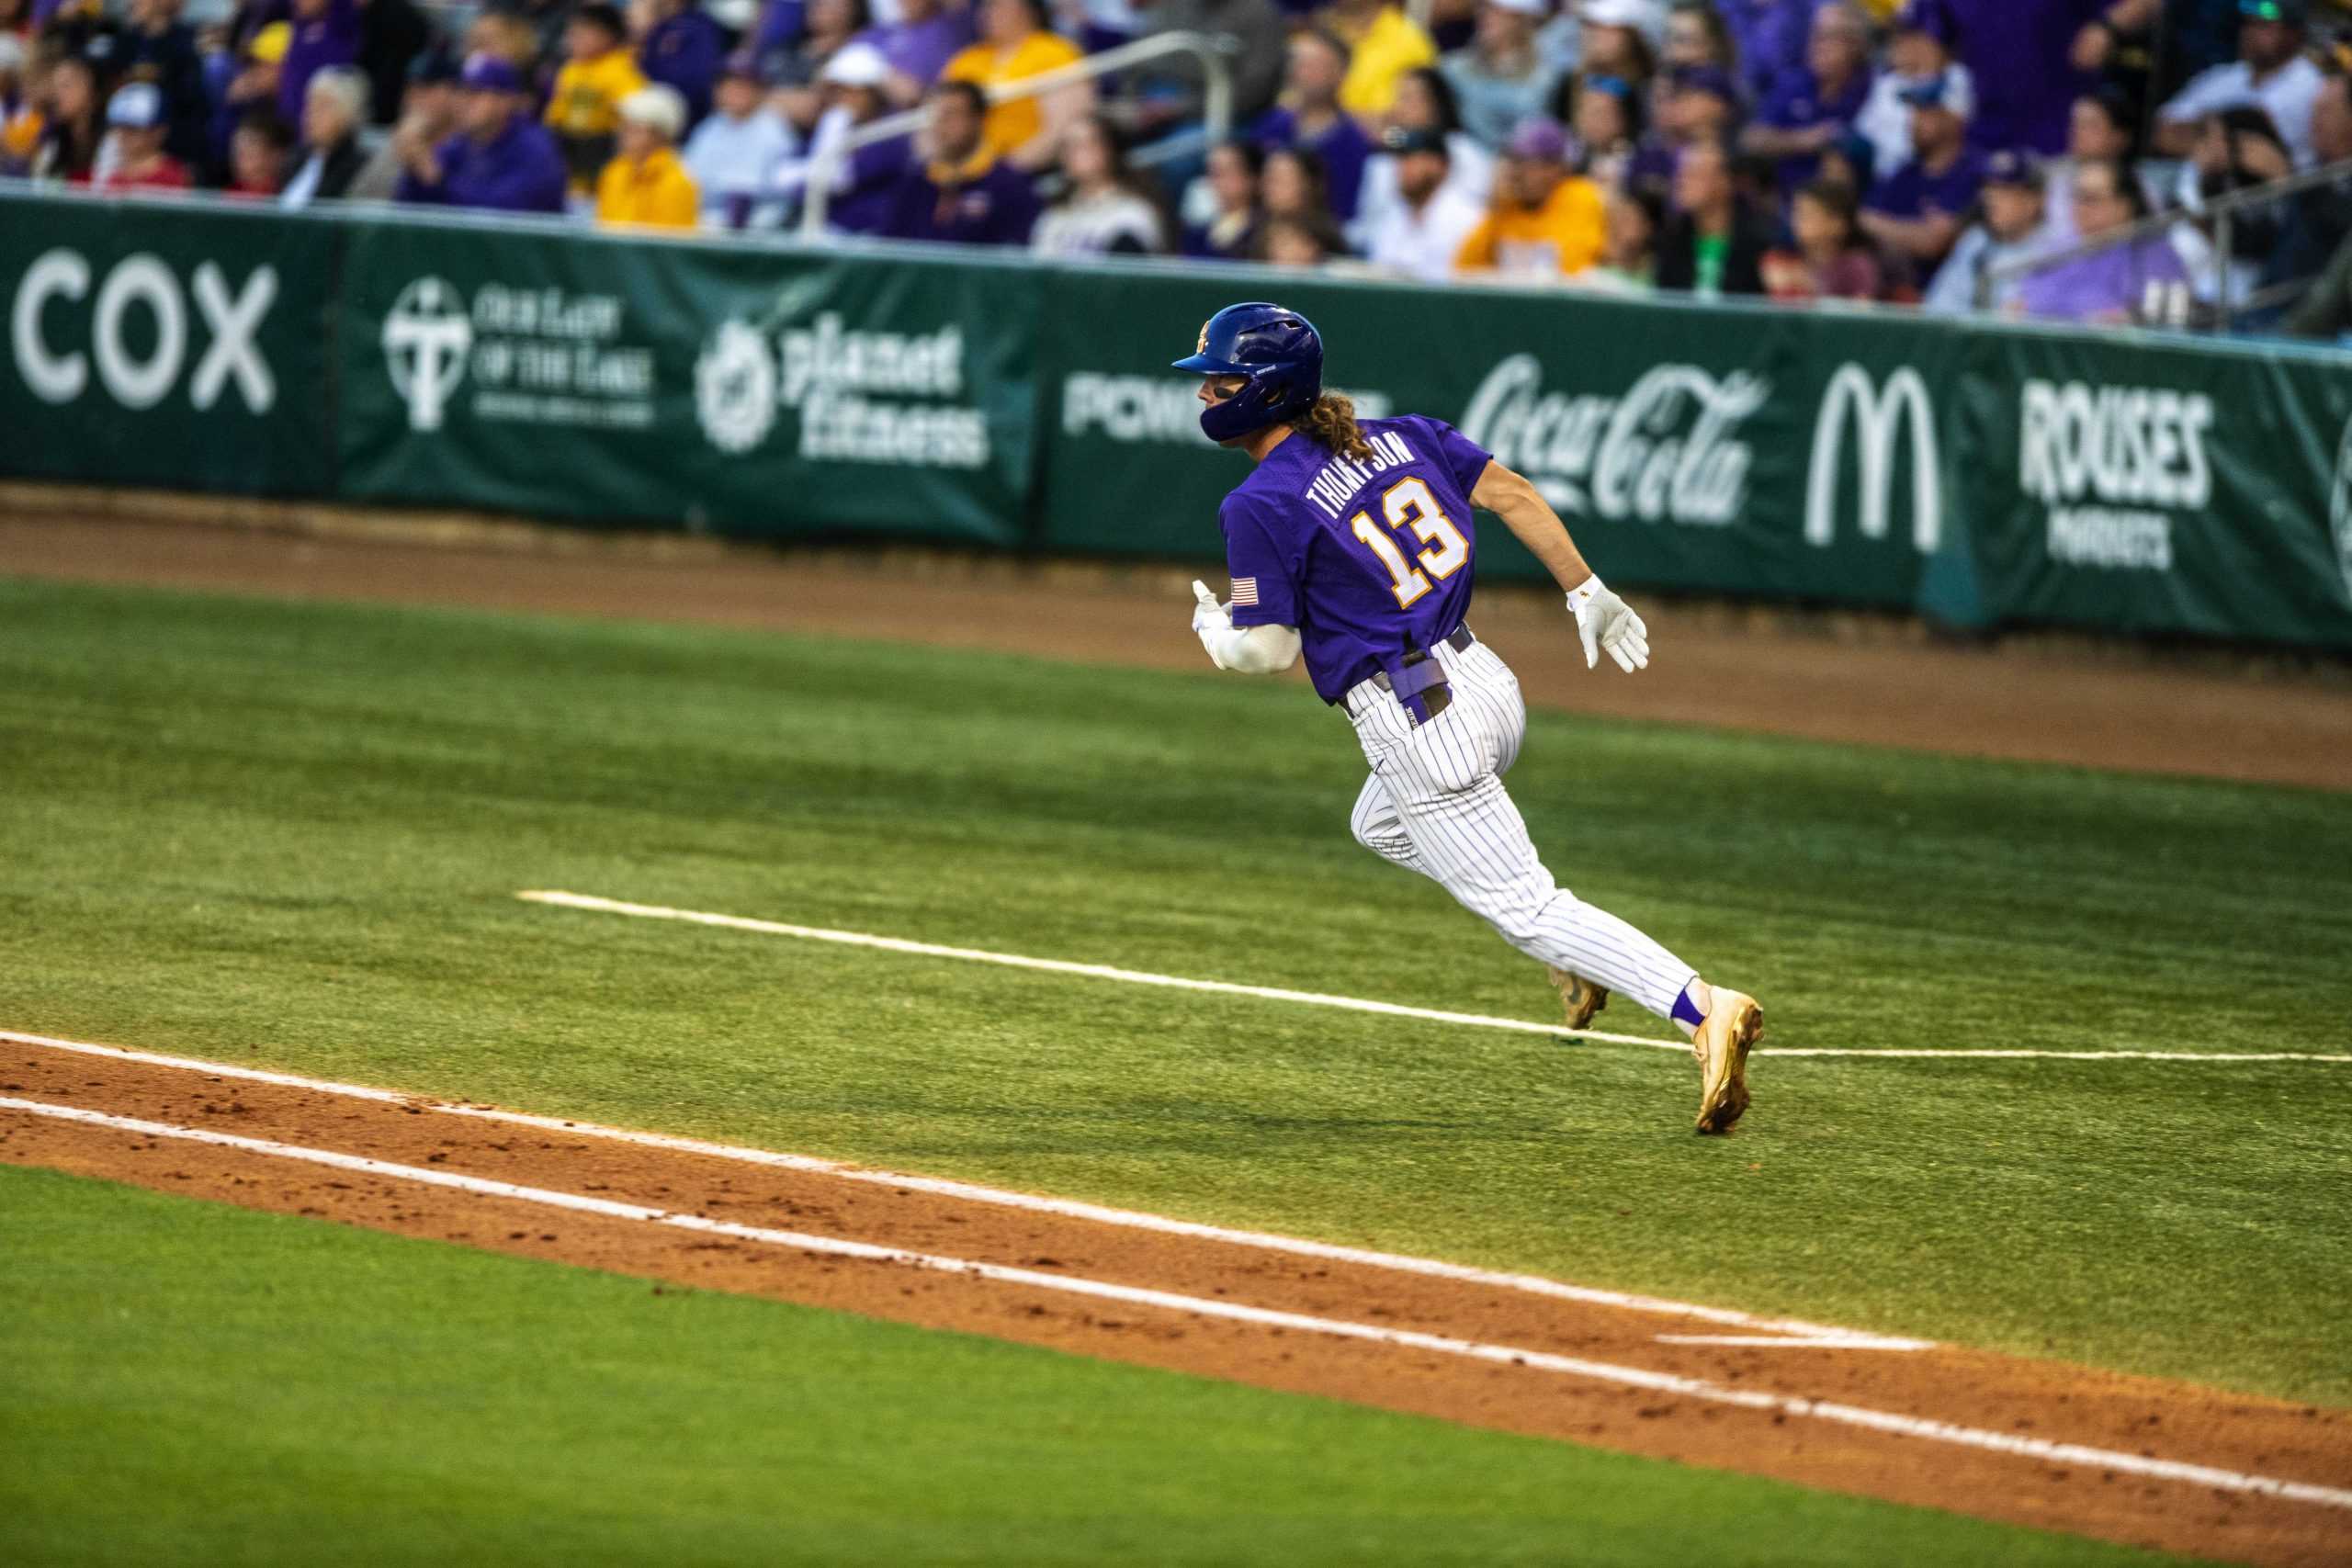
x: 1383, y: 44
x: 599, y: 72
x: 644, y: 184
x: 1014, y: 44
x: 1546, y: 223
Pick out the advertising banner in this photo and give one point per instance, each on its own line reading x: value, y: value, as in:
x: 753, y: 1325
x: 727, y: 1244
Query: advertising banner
x: 167, y: 346
x: 2143, y: 488
x: 1723, y: 450
x: 1979, y: 472
x: 742, y: 391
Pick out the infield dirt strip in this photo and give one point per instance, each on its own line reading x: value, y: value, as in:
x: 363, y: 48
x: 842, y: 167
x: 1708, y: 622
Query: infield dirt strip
x: 2259, y: 1443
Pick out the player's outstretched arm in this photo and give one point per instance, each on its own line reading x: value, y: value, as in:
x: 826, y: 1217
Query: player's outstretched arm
x: 1532, y: 521
x: 1604, y: 622
x: 1252, y: 651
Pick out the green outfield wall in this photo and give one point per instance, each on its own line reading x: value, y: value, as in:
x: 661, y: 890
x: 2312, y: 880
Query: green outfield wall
x: 1981, y: 474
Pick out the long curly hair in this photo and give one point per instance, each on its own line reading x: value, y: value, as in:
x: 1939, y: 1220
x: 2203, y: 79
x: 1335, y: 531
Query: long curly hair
x: 1330, y: 422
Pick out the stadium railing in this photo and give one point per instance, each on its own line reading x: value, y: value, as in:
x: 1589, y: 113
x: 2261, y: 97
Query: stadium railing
x: 2221, y: 213
x: 1211, y: 49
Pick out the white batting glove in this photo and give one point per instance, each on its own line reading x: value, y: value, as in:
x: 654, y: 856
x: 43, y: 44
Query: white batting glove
x: 1209, y: 620
x: 1605, y: 621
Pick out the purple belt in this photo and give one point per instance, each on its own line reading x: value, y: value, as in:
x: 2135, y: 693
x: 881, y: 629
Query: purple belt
x: 1418, y: 681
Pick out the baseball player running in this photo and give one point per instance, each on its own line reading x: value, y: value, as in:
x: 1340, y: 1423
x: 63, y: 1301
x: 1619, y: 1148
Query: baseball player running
x: 1352, y: 541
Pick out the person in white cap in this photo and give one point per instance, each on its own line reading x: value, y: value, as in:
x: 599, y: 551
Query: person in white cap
x: 1922, y: 50
x: 135, y: 113
x: 1620, y: 39
x: 1501, y: 78
x: 645, y: 185
x: 861, y: 195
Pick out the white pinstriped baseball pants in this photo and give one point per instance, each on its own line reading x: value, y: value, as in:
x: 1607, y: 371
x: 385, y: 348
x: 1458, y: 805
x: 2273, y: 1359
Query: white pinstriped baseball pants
x: 1435, y: 804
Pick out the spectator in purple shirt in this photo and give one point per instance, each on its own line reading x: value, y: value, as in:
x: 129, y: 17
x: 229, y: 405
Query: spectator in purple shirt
x: 2142, y: 281
x: 1815, y: 108
x: 680, y: 47
x: 927, y: 35
x: 1916, y: 212
x: 501, y: 160
x: 964, y: 193
x: 1309, y: 116
x: 828, y: 26
x: 253, y: 86
x: 1771, y: 36
x: 779, y: 28
x: 2017, y: 51
x: 861, y: 189
x: 326, y: 32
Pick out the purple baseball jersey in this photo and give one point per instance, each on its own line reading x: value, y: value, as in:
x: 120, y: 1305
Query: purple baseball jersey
x: 1368, y: 559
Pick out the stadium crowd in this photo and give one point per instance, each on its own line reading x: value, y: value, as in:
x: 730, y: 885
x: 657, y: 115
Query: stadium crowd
x: 1803, y: 149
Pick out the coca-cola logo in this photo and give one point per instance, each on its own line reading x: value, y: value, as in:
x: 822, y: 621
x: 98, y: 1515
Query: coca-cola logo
x: 1664, y: 451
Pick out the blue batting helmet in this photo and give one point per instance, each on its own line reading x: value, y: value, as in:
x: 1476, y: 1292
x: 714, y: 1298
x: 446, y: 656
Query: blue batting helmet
x: 1281, y: 354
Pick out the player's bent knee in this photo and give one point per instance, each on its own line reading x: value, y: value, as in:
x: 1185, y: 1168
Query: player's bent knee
x: 1528, y: 927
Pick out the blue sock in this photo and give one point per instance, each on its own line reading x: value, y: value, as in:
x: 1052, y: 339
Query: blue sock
x: 1687, y: 1011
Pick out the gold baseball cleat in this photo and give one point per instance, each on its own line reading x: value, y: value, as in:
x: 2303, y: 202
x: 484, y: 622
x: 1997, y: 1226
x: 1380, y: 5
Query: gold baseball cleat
x: 1733, y: 1026
x: 1579, y: 998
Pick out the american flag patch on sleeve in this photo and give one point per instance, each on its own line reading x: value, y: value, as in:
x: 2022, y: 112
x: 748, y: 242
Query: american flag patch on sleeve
x: 1245, y: 591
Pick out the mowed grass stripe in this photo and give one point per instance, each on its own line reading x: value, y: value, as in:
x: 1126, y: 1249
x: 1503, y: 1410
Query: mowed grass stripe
x: 197, y: 1383
x: 288, y: 835
x: 600, y: 905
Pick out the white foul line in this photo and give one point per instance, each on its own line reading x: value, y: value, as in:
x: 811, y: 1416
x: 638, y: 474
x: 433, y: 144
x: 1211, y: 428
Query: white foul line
x: 1531, y: 1284
x: 1599, y: 1371
x: 1351, y: 1004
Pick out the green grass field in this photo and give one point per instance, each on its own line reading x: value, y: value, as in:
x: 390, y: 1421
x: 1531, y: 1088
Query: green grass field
x: 291, y: 834
x: 272, y: 1384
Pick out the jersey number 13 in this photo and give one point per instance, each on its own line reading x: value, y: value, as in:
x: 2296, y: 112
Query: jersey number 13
x: 1407, y: 505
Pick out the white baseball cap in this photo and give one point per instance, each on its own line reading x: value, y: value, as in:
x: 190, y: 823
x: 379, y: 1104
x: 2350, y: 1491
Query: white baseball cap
x: 1523, y: 7
x: 857, y: 64
x: 136, y: 105
x: 1645, y: 16
x: 656, y: 105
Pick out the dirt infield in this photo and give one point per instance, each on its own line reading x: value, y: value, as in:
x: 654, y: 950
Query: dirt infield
x: 1833, y: 679
x: 1966, y: 1389
x: 1839, y: 680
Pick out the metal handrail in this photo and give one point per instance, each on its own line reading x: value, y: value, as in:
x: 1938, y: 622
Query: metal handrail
x: 2269, y: 297
x: 2223, y: 210
x: 1217, y: 105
